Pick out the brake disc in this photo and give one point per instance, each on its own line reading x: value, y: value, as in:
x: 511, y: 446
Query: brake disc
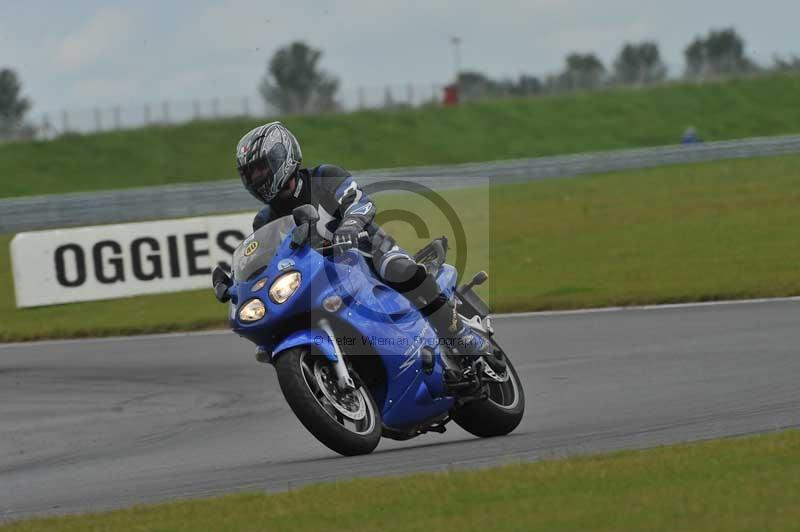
x: 492, y: 374
x: 329, y: 389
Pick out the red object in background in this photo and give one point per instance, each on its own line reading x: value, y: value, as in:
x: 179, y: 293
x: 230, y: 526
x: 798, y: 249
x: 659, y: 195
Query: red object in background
x: 451, y: 94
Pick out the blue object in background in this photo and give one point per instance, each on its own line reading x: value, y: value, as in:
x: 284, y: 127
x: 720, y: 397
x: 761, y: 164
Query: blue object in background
x: 690, y: 136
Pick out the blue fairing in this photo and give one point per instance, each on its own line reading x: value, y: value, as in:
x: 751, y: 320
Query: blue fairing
x: 315, y: 337
x: 378, y: 322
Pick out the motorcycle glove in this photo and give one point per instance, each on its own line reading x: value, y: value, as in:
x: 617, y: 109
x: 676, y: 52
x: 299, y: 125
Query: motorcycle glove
x: 346, y: 235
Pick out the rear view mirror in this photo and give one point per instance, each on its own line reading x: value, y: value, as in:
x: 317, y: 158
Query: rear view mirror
x: 305, y: 214
x: 221, y: 282
x: 305, y: 218
x: 300, y: 235
x: 222, y: 293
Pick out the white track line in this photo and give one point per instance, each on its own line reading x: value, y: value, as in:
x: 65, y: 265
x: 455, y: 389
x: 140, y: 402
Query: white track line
x: 134, y: 338
x: 648, y: 307
x: 220, y: 332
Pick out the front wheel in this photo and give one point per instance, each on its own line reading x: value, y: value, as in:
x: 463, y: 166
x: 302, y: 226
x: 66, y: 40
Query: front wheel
x: 502, y: 410
x: 345, y: 422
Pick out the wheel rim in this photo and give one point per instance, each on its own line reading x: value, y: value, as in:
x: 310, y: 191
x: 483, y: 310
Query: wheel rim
x: 505, y: 394
x: 352, y: 410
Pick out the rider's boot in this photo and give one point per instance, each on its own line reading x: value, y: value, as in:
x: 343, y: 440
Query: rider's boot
x: 421, y: 289
x: 457, y: 335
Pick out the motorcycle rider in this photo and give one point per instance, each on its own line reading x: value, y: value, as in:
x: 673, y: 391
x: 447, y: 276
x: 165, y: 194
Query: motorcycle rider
x: 268, y: 160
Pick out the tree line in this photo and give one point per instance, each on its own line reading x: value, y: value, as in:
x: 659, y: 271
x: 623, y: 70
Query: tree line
x: 719, y: 54
x: 13, y: 105
x: 295, y: 82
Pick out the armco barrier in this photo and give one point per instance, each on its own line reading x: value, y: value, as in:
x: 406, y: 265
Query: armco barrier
x: 175, y: 201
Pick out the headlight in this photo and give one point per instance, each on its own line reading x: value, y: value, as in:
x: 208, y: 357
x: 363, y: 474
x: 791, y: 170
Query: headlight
x: 253, y: 310
x: 284, y: 286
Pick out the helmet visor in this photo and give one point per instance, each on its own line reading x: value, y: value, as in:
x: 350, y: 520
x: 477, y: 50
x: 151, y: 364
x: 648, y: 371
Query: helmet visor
x: 256, y: 174
x: 266, y: 175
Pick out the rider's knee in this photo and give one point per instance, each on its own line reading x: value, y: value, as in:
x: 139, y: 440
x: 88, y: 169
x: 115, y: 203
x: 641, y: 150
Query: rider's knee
x: 403, y: 273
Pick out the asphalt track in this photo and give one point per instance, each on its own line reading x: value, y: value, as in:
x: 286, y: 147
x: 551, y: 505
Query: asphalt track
x: 88, y: 425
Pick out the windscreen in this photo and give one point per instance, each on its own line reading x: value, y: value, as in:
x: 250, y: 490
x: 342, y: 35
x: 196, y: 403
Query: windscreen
x: 256, y: 251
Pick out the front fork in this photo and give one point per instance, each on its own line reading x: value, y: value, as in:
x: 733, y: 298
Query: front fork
x: 343, y: 379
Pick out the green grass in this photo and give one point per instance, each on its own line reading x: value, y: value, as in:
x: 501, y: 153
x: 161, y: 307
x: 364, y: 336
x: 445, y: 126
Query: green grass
x: 725, y: 485
x: 695, y: 232
x: 203, y: 151
x: 712, y: 231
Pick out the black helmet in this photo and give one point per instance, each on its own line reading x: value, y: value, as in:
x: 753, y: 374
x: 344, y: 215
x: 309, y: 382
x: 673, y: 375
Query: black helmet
x: 267, y: 157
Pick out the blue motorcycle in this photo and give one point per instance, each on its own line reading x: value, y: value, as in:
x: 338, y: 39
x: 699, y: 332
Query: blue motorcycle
x: 354, y: 359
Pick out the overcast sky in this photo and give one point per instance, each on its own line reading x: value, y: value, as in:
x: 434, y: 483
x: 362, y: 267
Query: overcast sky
x: 85, y: 53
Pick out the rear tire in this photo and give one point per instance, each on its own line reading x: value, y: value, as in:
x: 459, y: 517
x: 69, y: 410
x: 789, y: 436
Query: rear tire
x: 500, y: 413
x: 299, y: 371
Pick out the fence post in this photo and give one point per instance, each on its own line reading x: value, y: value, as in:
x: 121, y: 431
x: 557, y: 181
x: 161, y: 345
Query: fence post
x: 388, y: 99
x: 47, y: 129
x: 362, y: 98
x: 117, y: 117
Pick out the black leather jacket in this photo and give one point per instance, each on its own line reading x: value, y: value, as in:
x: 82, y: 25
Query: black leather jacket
x: 335, y: 195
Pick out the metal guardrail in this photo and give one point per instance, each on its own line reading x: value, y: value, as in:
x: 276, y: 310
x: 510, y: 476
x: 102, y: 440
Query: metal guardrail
x: 197, y: 199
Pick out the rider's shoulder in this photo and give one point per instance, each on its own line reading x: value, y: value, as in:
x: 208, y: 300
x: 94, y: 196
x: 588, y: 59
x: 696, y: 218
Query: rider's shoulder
x: 329, y: 170
x: 329, y: 176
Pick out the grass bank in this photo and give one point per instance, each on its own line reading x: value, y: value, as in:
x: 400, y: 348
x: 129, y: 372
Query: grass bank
x: 727, y: 485
x: 203, y: 151
x: 722, y: 230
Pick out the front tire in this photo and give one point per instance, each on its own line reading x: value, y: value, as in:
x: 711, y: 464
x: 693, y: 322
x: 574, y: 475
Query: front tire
x: 500, y: 413
x: 349, y: 424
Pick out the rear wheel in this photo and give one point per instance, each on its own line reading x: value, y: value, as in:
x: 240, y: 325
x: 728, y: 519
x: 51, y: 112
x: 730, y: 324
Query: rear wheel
x: 500, y: 413
x: 346, y: 422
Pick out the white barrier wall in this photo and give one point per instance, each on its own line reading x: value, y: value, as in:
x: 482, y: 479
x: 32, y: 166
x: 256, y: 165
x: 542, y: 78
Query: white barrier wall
x: 110, y: 261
